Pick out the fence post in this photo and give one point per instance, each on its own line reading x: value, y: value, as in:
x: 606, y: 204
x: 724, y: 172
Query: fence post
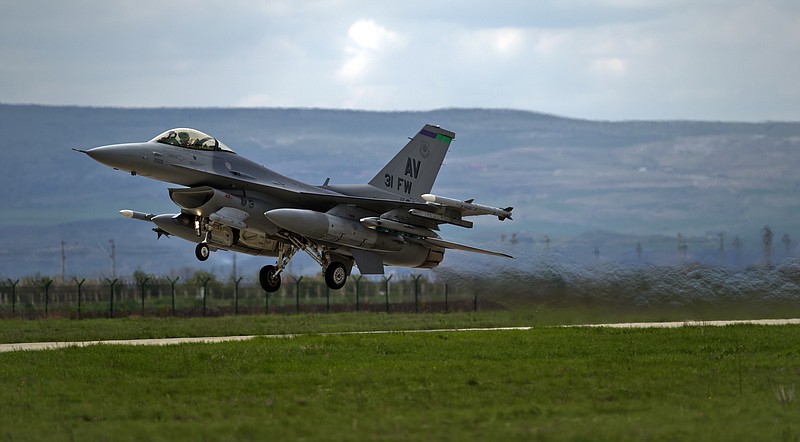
x: 172, y: 291
x: 266, y: 302
x: 144, y: 281
x: 236, y: 295
x: 327, y: 299
x: 475, y: 302
x: 386, y: 290
x: 416, y: 292
x: 358, y: 280
x: 13, y: 296
x: 47, y: 283
x: 205, y: 293
x: 297, y: 294
x: 446, y: 307
x: 80, y: 283
x: 111, y: 298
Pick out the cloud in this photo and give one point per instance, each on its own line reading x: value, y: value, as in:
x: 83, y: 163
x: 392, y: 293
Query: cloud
x: 607, y: 59
x: 367, y: 34
x: 608, y: 66
x: 506, y: 40
x: 368, y: 42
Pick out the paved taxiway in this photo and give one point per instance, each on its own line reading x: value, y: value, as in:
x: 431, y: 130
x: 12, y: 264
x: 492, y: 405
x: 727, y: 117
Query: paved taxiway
x: 213, y: 340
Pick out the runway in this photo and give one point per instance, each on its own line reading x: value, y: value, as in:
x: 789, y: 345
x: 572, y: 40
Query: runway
x: 28, y: 346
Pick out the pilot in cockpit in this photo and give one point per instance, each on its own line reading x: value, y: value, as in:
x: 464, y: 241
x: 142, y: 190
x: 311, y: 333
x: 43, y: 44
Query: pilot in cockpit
x: 183, y: 139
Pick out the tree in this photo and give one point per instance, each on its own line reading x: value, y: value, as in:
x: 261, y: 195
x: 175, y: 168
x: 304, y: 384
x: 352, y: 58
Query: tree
x: 682, y: 247
x: 766, y: 241
x: 737, y: 247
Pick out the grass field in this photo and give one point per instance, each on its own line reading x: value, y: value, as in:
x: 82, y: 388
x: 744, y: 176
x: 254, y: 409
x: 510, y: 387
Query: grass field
x: 728, y: 383
x: 542, y: 314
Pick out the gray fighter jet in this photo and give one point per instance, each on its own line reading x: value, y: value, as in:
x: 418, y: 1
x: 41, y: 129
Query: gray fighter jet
x: 232, y: 203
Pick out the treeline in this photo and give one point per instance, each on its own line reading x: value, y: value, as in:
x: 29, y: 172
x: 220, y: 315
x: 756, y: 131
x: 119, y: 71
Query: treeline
x: 615, y: 286
x: 689, y: 287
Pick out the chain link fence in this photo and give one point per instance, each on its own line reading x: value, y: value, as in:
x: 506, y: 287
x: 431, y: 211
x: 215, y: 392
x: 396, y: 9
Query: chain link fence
x: 107, y: 298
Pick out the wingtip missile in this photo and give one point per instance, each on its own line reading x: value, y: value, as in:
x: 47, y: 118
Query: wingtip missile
x: 136, y: 215
x: 469, y: 205
x: 429, y: 197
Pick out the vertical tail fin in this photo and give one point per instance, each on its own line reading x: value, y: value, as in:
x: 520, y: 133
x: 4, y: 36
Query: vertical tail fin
x: 413, y: 170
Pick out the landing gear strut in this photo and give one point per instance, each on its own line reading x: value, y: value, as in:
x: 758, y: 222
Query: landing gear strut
x: 202, y: 251
x: 335, y: 272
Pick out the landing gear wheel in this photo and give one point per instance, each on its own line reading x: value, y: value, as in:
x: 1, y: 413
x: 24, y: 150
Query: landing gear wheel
x: 202, y: 251
x: 270, y: 280
x: 335, y: 275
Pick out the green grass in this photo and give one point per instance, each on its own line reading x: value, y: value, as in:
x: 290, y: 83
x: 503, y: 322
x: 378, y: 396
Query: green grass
x: 543, y: 314
x: 12, y: 331
x: 729, y: 383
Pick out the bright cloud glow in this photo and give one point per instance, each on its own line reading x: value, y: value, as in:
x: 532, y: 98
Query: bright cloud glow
x: 367, y: 42
x: 610, y: 66
x: 507, y: 40
x: 369, y: 35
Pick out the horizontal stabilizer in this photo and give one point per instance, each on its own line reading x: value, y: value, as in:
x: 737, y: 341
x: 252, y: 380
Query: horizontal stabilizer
x: 456, y: 246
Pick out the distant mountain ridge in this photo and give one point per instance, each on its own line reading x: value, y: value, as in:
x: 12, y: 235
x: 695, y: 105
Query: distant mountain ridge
x: 563, y: 176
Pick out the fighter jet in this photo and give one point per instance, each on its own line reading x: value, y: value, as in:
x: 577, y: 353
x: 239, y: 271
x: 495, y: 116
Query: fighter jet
x: 231, y: 203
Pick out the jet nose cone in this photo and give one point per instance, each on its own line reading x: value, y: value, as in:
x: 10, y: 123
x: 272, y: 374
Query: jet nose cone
x: 101, y: 154
x: 119, y: 156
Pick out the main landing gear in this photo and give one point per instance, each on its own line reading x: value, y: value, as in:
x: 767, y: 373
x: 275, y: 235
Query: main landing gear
x: 269, y: 278
x: 335, y: 275
x: 335, y: 271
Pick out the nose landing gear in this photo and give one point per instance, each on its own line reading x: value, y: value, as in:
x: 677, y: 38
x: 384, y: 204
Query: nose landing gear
x: 202, y: 251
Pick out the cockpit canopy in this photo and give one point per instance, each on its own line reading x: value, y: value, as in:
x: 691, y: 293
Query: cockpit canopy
x: 191, y: 139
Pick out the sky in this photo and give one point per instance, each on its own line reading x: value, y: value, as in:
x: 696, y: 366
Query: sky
x: 717, y: 60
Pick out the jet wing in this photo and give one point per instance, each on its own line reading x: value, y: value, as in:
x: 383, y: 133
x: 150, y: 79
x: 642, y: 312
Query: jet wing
x: 436, y: 209
x: 311, y: 196
x: 438, y: 242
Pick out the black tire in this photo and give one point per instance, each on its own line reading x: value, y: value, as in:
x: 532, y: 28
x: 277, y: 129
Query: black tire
x: 269, y: 280
x: 202, y: 251
x: 335, y: 275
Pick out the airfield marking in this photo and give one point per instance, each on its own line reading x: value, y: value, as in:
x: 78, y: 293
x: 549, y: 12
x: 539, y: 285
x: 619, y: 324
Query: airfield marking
x: 26, y: 346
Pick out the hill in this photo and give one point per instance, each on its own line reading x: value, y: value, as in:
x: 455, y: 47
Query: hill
x: 634, y: 179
